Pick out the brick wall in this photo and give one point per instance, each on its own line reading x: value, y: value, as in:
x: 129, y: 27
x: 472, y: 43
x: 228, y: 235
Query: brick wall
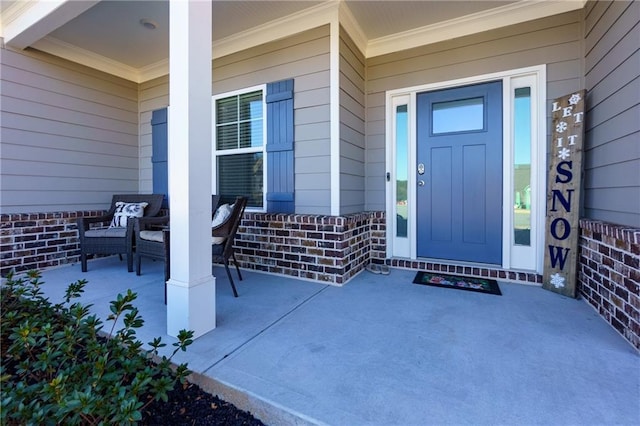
x: 39, y: 240
x: 609, y: 275
x: 334, y: 249
x: 322, y: 248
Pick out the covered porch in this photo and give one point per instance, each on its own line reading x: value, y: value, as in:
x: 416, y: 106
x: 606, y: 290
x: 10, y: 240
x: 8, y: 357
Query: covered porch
x: 382, y: 350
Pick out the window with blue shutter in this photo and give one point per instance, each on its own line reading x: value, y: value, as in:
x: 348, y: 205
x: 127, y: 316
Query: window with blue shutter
x: 280, y: 139
x: 159, y: 138
x: 239, y: 147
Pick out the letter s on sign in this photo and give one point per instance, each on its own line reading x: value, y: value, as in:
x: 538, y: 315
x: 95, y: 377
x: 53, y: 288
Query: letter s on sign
x: 564, y: 172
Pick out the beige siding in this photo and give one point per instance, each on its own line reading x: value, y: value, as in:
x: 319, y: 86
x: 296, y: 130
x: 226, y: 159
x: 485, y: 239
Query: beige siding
x: 305, y: 58
x: 69, y: 135
x: 555, y: 41
x: 154, y: 95
x: 352, y: 126
x: 612, y: 80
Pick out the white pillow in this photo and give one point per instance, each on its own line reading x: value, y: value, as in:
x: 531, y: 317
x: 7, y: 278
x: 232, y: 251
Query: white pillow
x: 124, y: 211
x: 221, y: 214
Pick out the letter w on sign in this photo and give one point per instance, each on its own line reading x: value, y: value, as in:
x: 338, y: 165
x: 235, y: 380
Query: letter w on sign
x: 563, y: 194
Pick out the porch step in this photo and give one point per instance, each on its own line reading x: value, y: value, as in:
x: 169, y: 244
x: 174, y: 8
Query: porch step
x: 269, y: 412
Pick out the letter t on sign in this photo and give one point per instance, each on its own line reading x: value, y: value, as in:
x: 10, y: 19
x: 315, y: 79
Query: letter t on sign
x: 565, y: 171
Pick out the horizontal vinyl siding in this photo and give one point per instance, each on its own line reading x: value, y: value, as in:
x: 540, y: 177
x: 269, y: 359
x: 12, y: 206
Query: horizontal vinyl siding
x: 612, y: 80
x: 352, y: 126
x: 69, y: 135
x: 555, y: 41
x: 305, y: 58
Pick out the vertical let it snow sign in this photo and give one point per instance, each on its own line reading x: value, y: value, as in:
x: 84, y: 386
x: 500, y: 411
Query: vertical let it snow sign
x: 563, y: 195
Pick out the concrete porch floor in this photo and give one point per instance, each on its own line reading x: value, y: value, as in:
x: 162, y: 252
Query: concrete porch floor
x: 384, y: 351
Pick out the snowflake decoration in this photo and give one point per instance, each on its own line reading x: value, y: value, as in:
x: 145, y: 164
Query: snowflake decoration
x: 564, y: 153
x: 557, y: 280
x: 561, y: 127
x: 574, y: 99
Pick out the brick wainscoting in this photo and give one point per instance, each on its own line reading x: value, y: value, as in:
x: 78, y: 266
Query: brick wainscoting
x: 321, y: 248
x: 39, y: 240
x: 609, y: 275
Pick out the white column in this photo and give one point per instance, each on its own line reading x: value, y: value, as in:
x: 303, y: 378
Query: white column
x: 191, y: 302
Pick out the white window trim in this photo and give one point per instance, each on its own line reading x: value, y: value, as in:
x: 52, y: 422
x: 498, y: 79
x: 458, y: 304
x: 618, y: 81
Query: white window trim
x: 400, y: 247
x: 511, y: 259
x: 263, y: 148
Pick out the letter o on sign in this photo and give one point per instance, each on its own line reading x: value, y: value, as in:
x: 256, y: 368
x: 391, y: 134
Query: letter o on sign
x: 566, y: 228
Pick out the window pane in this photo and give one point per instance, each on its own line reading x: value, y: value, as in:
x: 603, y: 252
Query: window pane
x: 241, y: 174
x: 251, y: 134
x: 227, y: 136
x: 251, y: 106
x: 522, y: 166
x: 402, y: 165
x: 458, y: 116
x: 227, y: 110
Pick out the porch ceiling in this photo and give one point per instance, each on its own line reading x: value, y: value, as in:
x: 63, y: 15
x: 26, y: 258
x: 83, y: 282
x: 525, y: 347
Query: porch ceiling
x: 108, y: 35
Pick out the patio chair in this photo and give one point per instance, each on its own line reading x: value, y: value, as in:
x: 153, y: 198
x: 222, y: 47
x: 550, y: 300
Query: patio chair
x: 223, y: 237
x: 153, y: 241
x: 114, y: 235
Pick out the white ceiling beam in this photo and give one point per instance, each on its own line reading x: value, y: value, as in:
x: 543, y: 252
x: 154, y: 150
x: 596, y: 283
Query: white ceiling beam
x: 31, y: 21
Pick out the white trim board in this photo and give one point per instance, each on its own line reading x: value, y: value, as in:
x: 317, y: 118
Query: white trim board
x: 514, y: 257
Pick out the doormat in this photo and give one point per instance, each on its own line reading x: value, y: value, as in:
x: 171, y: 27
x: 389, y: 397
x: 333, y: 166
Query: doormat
x: 480, y: 285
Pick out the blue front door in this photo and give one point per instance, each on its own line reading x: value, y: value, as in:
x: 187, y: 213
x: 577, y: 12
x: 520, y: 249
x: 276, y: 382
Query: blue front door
x: 459, y: 191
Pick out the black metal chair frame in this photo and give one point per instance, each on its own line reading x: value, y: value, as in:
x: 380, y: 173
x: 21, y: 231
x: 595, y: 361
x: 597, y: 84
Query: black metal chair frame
x: 114, y: 245
x: 224, y: 251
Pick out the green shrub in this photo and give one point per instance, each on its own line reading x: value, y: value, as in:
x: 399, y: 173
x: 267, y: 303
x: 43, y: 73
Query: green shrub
x: 59, y: 368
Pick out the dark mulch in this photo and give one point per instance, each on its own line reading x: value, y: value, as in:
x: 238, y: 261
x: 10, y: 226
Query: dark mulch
x: 190, y: 405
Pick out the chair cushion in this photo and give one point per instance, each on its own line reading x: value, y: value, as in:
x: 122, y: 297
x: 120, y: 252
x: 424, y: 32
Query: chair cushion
x: 124, y: 211
x: 106, y: 232
x: 216, y: 250
x: 217, y: 240
x: 152, y: 236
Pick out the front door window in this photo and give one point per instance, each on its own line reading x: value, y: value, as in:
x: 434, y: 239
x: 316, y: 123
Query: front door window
x: 460, y: 115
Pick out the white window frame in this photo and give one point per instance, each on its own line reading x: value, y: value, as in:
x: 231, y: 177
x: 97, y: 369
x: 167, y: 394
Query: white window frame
x: 249, y: 150
x: 400, y: 246
x: 513, y: 257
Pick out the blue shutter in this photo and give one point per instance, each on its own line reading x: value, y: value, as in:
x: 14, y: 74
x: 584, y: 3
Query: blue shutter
x: 159, y: 138
x: 280, y: 185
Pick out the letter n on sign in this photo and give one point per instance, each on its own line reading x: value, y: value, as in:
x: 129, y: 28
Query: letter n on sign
x: 563, y: 195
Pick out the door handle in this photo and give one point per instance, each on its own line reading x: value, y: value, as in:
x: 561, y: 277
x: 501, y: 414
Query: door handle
x: 420, y: 182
